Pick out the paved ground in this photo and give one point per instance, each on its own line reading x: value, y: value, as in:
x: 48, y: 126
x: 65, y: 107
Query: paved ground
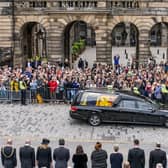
x: 53, y: 121
x: 159, y: 53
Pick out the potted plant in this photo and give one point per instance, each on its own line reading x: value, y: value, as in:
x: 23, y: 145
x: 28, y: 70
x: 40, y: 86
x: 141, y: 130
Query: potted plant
x: 44, y: 60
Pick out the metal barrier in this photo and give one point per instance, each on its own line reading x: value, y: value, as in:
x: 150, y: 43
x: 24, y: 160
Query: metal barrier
x: 13, y: 96
x: 60, y: 94
x: 46, y: 94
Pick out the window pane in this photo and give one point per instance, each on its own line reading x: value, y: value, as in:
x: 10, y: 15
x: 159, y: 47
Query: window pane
x: 144, y: 106
x: 129, y: 104
x: 98, y: 99
x: 89, y: 99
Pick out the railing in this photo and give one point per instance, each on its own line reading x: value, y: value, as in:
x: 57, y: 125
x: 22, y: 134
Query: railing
x: 42, y: 94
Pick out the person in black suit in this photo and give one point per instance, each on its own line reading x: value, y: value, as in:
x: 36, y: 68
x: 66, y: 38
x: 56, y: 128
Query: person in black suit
x: 61, y: 155
x: 44, y: 154
x: 80, y: 158
x: 136, y: 156
x: 116, y: 158
x: 27, y: 155
x: 157, y: 156
x: 8, y: 155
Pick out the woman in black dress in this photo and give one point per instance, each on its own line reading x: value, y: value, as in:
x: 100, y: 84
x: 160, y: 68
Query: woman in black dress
x: 44, y: 155
x: 80, y: 158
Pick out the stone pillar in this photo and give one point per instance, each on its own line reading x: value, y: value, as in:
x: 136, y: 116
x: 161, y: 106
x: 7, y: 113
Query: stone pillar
x: 55, y: 41
x: 143, y: 49
x: 18, y: 59
x: 164, y: 35
x: 127, y: 29
x: 103, y: 47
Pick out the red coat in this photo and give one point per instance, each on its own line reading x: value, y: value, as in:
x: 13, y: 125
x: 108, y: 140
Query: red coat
x: 52, y: 85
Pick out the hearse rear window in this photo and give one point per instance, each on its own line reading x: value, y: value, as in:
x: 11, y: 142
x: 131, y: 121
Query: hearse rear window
x: 97, y: 99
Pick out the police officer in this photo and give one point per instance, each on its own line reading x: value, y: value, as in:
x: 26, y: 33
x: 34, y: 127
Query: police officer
x: 8, y: 155
x: 27, y: 155
x: 164, y: 93
x: 23, y: 87
x: 136, y: 91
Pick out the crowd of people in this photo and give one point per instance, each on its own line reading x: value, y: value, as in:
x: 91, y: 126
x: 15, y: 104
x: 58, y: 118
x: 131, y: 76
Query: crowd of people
x: 61, y: 82
x: 44, y: 157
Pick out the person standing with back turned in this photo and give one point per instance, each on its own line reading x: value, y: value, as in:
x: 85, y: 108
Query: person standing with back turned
x: 61, y: 155
x: 8, y: 155
x: 27, y: 155
x: 136, y: 156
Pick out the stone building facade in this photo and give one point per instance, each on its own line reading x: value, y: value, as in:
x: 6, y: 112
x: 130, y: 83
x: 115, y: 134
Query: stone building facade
x: 140, y: 23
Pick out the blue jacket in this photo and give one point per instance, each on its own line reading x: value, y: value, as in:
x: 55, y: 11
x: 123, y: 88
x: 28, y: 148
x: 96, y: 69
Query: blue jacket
x: 116, y: 160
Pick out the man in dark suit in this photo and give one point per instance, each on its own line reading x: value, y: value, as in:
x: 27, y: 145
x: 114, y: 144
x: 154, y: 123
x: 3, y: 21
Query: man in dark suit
x: 8, y: 155
x: 157, y: 156
x: 61, y: 155
x: 136, y: 156
x: 27, y: 155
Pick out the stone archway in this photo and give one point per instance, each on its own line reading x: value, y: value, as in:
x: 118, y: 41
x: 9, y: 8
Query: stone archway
x: 158, y: 37
x: 78, y: 36
x: 33, y: 41
x: 125, y: 39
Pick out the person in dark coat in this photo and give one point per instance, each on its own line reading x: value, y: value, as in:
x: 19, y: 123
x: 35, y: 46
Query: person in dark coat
x: 80, y: 158
x: 81, y: 64
x: 44, y: 154
x: 61, y: 155
x: 8, y: 155
x: 27, y: 155
x: 136, y: 156
x: 157, y: 156
x: 99, y: 157
x: 116, y: 158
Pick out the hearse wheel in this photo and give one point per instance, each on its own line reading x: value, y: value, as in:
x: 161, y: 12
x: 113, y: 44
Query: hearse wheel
x: 94, y: 120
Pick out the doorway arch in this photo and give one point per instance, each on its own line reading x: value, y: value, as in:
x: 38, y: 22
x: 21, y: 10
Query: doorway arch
x: 77, y: 32
x: 158, y: 37
x: 125, y: 42
x: 33, y: 41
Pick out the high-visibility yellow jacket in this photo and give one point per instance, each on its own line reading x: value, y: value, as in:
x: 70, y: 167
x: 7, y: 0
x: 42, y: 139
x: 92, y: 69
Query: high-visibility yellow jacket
x: 136, y: 91
x: 164, y: 89
x: 14, y: 85
x: 22, y: 85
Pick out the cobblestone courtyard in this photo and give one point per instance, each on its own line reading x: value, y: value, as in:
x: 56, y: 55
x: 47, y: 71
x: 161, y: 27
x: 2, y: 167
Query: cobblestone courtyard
x: 53, y: 121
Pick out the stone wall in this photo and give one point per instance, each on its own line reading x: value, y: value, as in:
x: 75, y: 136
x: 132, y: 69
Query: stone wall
x: 103, y: 21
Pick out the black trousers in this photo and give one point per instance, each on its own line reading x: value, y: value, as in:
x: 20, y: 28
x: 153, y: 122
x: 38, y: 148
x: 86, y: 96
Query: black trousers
x: 23, y: 97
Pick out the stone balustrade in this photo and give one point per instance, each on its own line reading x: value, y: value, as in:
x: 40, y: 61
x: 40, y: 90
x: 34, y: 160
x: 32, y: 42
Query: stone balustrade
x: 123, y: 4
x: 57, y: 5
x: 112, y: 6
x: 76, y: 5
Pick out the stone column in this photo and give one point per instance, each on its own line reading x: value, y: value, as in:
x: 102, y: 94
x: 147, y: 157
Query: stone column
x: 164, y: 35
x: 103, y: 47
x: 143, y: 49
x: 18, y: 58
x: 55, y: 42
x: 127, y: 29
